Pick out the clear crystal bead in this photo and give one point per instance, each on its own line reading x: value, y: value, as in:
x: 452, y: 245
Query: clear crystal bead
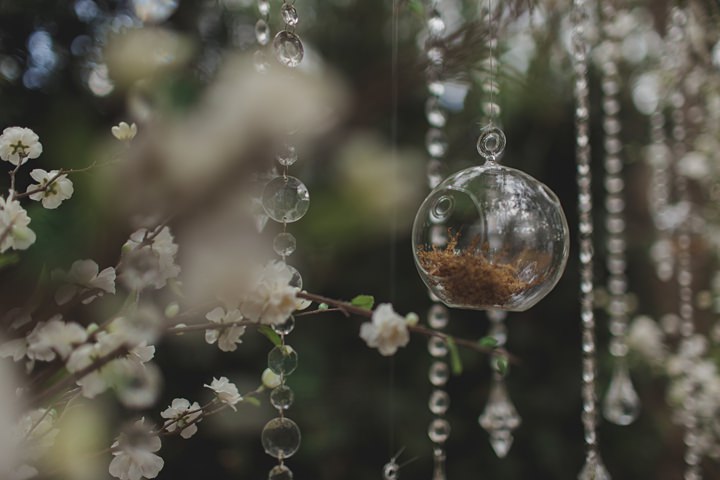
x: 594, y: 469
x: 434, y: 113
x: 436, y: 142
x: 280, y: 472
x: 262, y: 32
x: 287, y: 155
x: 263, y: 7
x: 391, y: 471
x: 435, y: 172
x: 439, y: 430
x: 284, y: 244
x: 286, y: 199
x: 438, y: 317
x: 286, y: 327
x: 260, y: 62
x: 436, y: 24
x: 280, y: 438
x: 491, y: 143
x: 296, y: 279
x: 289, y: 49
x: 282, y: 397
x: 289, y: 15
x: 622, y: 405
x: 439, y: 373
x: 500, y: 419
x: 282, y: 360
x: 437, y: 347
x: 439, y: 402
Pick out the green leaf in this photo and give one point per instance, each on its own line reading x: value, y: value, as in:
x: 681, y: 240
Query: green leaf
x: 252, y: 401
x: 488, y: 342
x: 501, y: 365
x: 9, y: 259
x: 323, y: 306
x: 270, y: 334
x: 416, y: 6
x: 363, y: 301
x: 455, y: 361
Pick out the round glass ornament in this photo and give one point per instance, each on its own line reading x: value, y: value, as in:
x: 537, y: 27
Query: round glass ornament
x: 507, y: 238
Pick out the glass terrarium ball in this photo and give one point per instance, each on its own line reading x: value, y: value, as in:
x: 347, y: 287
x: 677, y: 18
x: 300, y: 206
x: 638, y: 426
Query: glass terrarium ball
x: 504, y: 241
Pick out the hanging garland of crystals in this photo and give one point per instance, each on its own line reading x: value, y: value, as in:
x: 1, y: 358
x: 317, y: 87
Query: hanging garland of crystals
x: 500, y: 417
x: 285, y: 200
x: 594, y: 468
x: 621, y: 405
x: 438, y: 315
x: 262, y: 35
x: 677, y: 41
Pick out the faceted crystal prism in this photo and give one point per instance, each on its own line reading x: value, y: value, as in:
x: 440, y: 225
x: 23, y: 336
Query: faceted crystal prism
x: 289, y: 49
x: 286, y: 199
x: 282, y: 360
x: 622, y: 404
x: 500, y: 418
x: 280, y: 438
x: 594, y: 469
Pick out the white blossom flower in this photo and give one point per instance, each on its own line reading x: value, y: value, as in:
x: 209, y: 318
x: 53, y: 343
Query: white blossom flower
x: 646, y: 338
x: 24, y: 472
x: 225, y: 391
x: 84, y: 277
x: 37, y: 429
x: 18, y: 144
x: 124, y: 132
x: 116, y: 372
x: 55, y: 338
x: 134, y: 454
x: 14, y: 231
x: 146, y: 263
x: 15, y: 349
x: 271, y: 300
x: 182, y: 416
x: 51, y: 194
x: 387, y: 331
x: 227, y: 338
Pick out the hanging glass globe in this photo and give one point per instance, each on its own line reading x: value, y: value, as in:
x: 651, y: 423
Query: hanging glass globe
x: 490, y: 237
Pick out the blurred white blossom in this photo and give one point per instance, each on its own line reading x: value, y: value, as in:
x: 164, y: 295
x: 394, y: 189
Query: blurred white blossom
x: 387, y: 331
x: 124, y: 132
x: 84, y: 277
x: 227, y: 338
x: 271, y: 299
x: 646, y: 338
x: 134, y: 453
x: 181, y: 415
x: 14, y: 231
x: 271, y: 379
x: 226, y: 391
x: 148, y: 259
x: 50, y: 194
x: 54, y: 338
x: 18, y: 144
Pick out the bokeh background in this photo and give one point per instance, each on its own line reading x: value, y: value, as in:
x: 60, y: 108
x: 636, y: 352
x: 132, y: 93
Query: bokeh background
x: 355, y: 408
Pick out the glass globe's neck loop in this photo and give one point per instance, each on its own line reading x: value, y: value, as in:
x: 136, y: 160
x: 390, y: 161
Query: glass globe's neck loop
x: 491, y: 143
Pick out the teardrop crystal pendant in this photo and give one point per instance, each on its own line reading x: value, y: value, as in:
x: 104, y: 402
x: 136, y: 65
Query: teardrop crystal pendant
x: 500, y: 418
x: 621, y: 405
x: 288, y: 48
x: 594, y: 468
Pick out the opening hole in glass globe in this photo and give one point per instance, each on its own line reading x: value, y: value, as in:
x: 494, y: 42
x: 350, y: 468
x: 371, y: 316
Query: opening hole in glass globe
x: 443, y: 208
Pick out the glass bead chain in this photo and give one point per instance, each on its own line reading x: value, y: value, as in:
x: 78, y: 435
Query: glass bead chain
x: 594, y: 468
x: 286, y: 200
x: 662, y: 252
x: 262, y: 35
x: 438, y: 315
x: 621, y: 405
x: 677, y: 39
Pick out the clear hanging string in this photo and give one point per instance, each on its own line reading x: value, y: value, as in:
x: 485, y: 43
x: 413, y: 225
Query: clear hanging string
x: 286, y: 200
x: 622, y: 404
x: 594, y: 468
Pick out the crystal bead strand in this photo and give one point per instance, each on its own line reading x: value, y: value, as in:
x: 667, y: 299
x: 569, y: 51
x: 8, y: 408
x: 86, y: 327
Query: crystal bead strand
x: 594, y: 468
x: 621, y: 405
x: 500, y: 417
x: 262, y: 35
x: 662, y: 251
x: 677, y: 39
x: 286, y: 200
x: 438, y: 315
